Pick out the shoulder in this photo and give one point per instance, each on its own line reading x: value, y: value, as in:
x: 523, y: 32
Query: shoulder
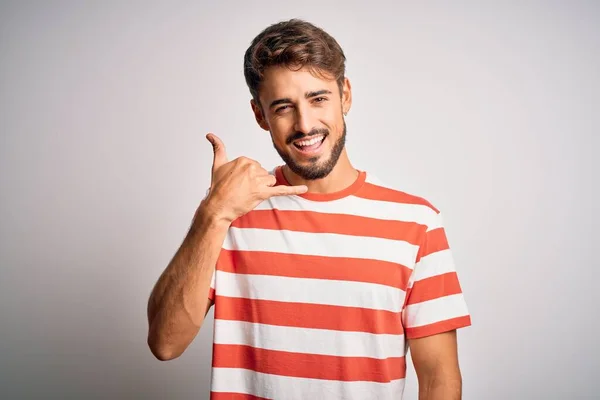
x: 400, y: 205
x: 376, y: 189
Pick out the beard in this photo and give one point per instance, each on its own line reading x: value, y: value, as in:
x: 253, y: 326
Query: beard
x: 314, y: 169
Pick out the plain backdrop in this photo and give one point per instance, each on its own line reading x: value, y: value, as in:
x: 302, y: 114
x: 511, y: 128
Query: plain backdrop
x: 487, y: 109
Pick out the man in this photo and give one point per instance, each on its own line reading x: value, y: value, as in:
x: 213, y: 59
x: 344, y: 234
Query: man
x: 322, y: 276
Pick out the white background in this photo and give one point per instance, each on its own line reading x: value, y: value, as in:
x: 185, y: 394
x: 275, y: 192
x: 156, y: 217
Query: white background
x: 487, y: 109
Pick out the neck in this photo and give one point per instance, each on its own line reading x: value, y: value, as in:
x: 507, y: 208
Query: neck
x: 342, y: 176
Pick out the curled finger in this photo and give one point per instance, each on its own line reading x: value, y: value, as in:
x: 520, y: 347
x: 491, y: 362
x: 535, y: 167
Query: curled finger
x: 267, y: 180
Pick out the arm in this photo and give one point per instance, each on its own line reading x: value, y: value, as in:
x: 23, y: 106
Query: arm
x: 435, y: 308
x: 179, y: 301
x: 436, y: 363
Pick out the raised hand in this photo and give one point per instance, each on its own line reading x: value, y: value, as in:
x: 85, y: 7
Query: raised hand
x: 238, y: 186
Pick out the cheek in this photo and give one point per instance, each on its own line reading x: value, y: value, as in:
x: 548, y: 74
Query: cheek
x: 281, y: 123
x: 280, y: 130
x: 333, y: 118
x: 278, y: 137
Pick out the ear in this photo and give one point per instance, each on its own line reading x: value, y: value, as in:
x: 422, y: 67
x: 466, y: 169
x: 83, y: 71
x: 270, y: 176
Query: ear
x: 258, y: 115
x: 346, y: 96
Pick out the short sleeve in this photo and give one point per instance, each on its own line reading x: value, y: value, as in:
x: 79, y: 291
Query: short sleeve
x: 434, y: 300
x: 222, y: 261
x: 212, y: 289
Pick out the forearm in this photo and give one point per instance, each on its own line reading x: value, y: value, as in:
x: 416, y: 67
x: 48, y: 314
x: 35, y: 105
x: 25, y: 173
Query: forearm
x: 179, y: 300
x: 440, y: 387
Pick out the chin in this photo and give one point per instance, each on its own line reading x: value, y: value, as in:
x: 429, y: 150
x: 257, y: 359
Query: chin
x: 310, y: 173
x: 316, y: 163
x: 312, y: 169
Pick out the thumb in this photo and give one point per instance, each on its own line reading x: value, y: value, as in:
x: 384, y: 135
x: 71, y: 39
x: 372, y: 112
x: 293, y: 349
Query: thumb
x: 220, y: 156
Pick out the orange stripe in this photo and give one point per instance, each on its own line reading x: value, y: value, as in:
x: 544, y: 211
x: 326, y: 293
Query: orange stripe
x: 315, y: 267
x: 434, y: 287
x: 303, y: 315
x: 438, y: 327
x: 313, y: 222
x: 435, y: 241
x: 211, y: 294
x: 373, y: 192
x: 234, y: 396
x: 315, y: 366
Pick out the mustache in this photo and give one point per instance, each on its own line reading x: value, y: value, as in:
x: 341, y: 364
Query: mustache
x: 300, y: 135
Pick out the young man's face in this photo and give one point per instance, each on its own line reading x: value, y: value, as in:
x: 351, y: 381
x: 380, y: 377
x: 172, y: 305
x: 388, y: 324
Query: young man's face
x: 304, y: 114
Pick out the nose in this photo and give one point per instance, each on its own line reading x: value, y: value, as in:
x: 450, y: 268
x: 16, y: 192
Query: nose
x: 304, y: 120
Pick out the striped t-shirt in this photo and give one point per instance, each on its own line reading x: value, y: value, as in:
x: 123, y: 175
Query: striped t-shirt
x: 316, y: 294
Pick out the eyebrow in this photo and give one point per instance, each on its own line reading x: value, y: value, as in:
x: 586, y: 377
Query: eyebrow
x: 307, y: 95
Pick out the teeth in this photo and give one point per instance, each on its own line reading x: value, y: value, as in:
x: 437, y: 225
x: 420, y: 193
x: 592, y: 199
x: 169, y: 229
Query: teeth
x: 310, y: 142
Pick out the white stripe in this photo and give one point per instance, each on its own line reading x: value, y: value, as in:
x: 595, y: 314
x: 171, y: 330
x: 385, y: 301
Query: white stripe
x: 321, y: 244
x: 436, y: 221
x: 310, y: 291
x: 352, y: 205
x: 212, y: 280
x: 437, y: 310
x: 239, y: 380
x: 434, y: 264
x: 309, y: 341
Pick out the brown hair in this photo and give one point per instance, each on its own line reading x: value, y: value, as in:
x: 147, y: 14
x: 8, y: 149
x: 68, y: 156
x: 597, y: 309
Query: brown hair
x: 294, y: 44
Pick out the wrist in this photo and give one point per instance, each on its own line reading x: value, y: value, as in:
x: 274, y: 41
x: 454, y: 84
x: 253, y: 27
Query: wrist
x: 210, y: 215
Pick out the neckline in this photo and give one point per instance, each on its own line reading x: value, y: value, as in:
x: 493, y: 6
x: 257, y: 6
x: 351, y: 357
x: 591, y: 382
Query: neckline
x: 353, y: 188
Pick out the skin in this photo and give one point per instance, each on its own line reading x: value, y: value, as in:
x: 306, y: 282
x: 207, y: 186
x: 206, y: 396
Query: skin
x: 436, y: 363
x: 295, y: 116
x: 292, y: 105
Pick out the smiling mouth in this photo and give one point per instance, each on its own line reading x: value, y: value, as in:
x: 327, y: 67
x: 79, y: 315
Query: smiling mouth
x: 310, y: 145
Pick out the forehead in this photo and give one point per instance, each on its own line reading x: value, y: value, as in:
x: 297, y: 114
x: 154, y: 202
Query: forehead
x: 280, y: 81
